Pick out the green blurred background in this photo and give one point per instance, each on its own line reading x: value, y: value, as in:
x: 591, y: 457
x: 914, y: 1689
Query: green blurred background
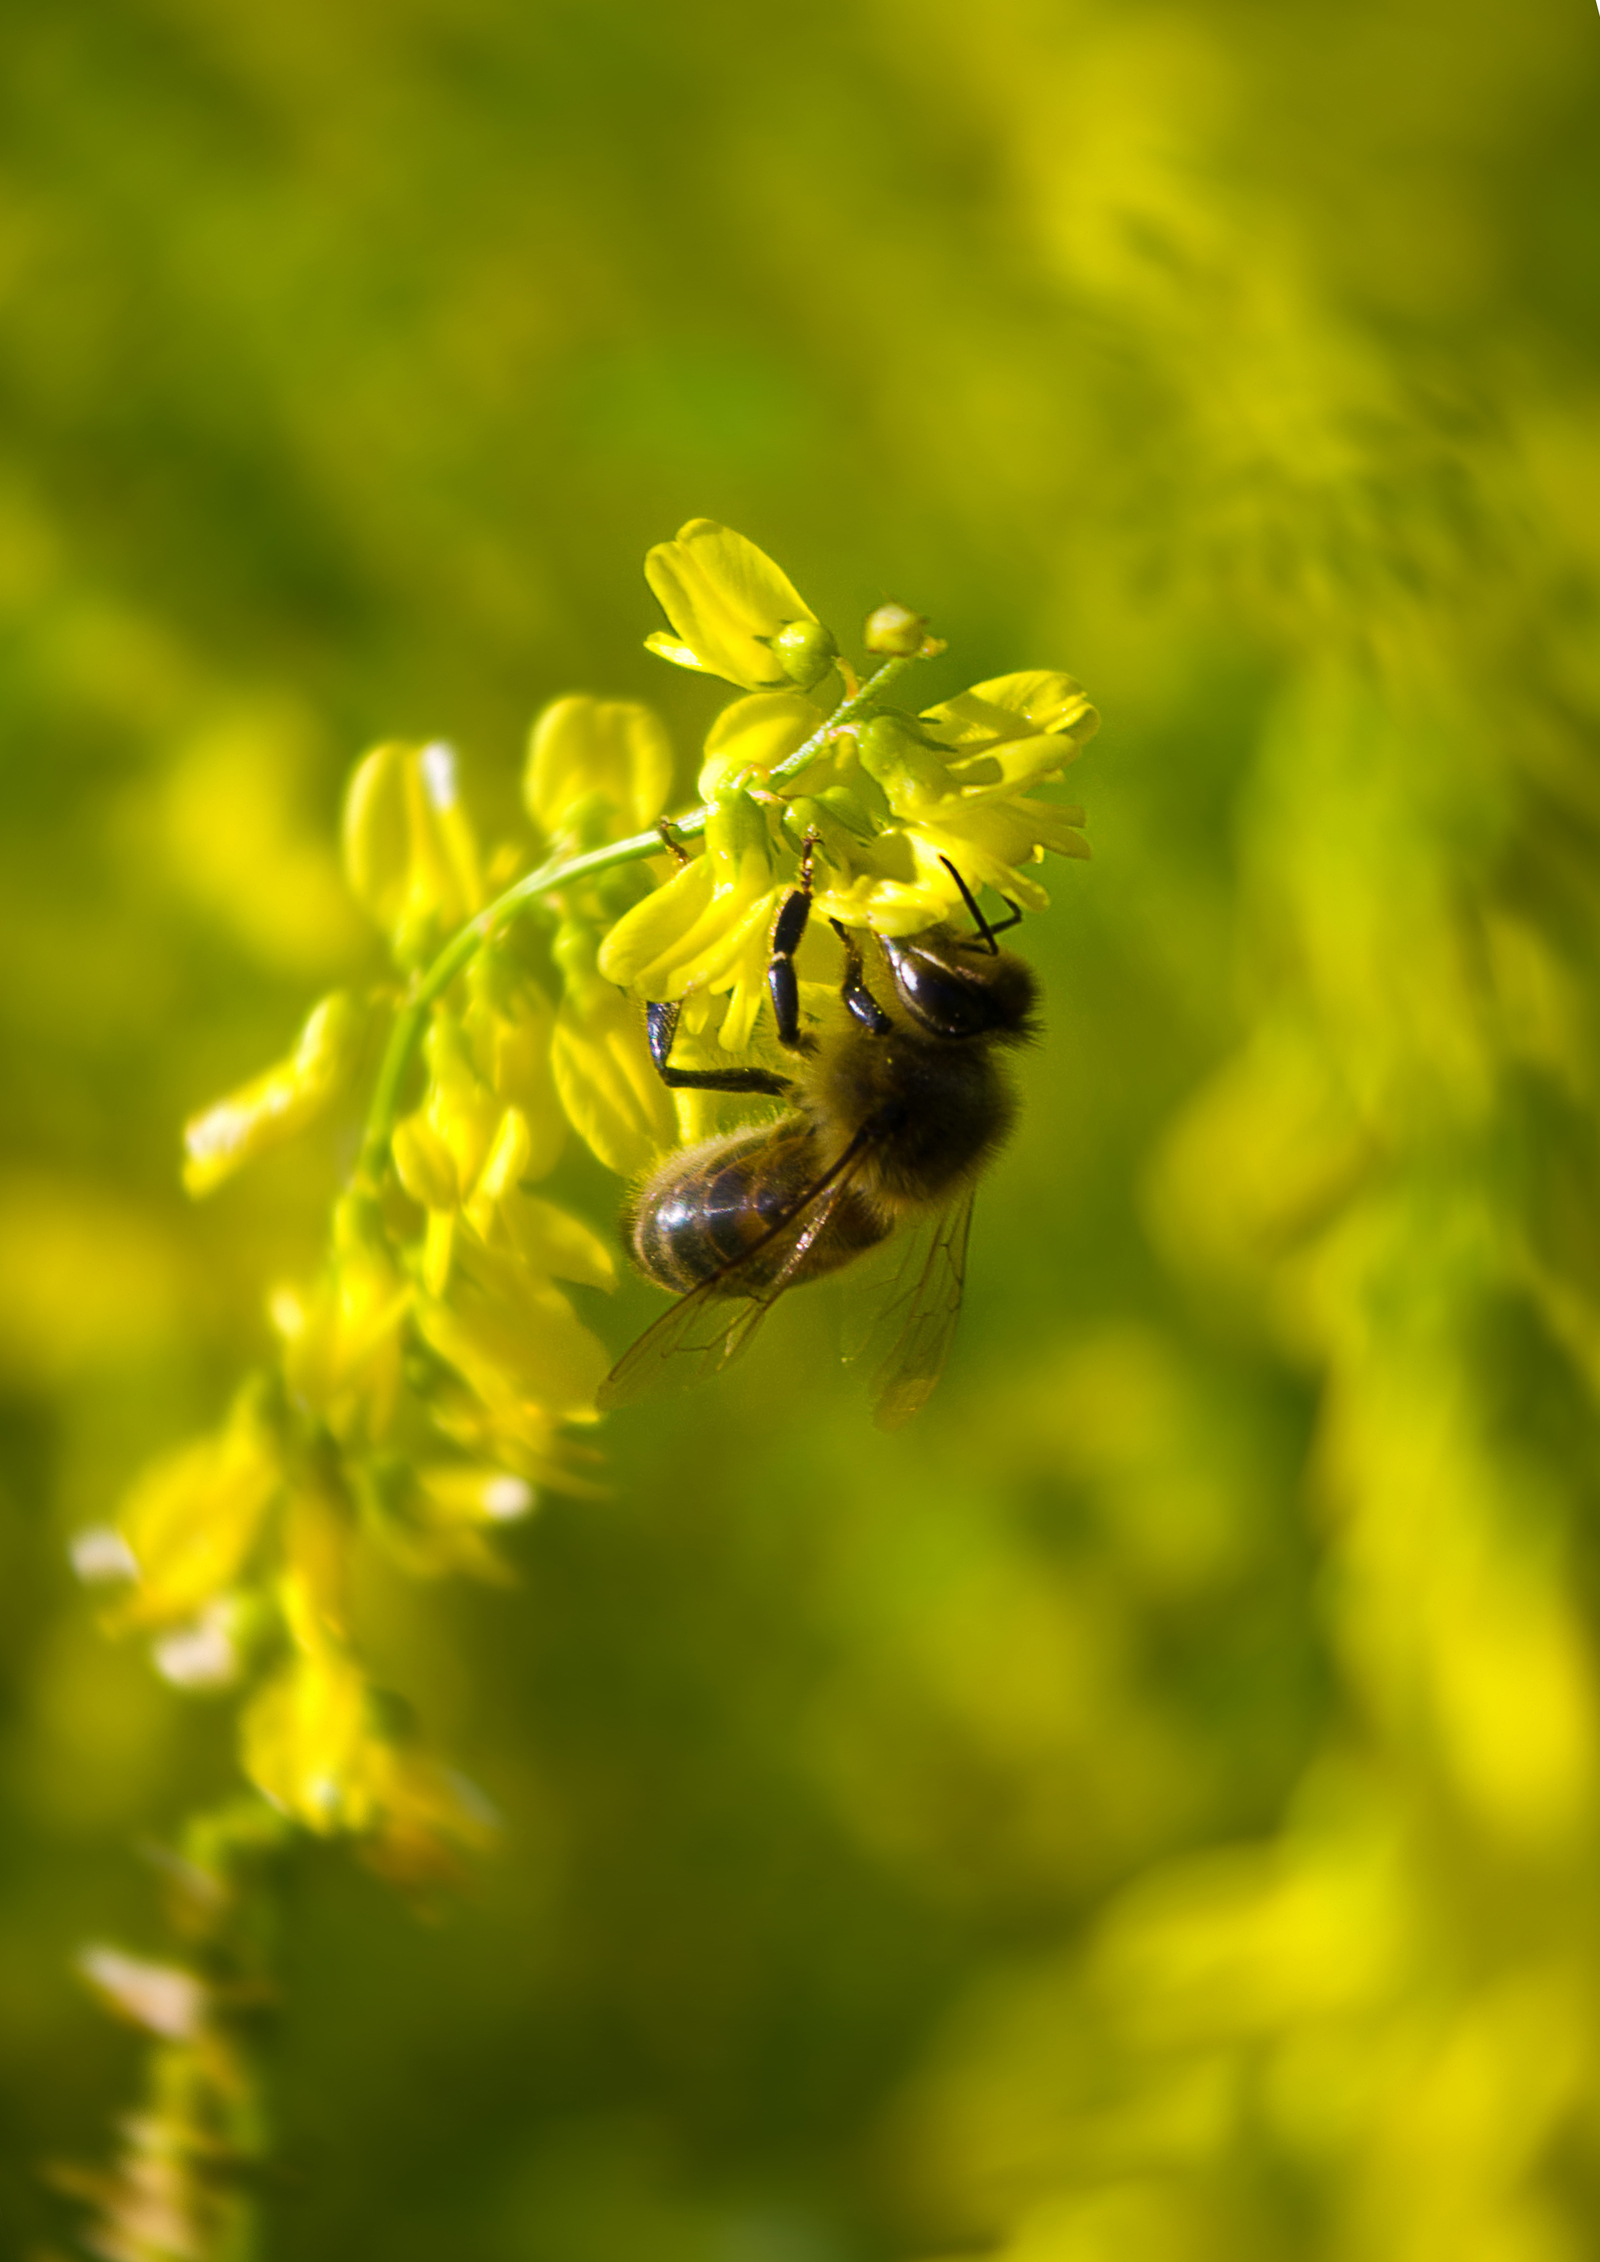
x: 1149, y: 1810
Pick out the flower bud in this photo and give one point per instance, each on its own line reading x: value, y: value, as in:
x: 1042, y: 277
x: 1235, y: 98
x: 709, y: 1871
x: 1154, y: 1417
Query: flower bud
x: 895, y: 632
x: 805, y: 651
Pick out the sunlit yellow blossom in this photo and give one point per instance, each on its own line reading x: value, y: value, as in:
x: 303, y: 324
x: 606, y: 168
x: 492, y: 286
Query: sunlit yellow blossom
x: 275, y: 1105
x: 609, y: 1088
x: 193, y: 1517
x: 726, y: 601
x: 409, y: 850
x: 708, y: 928
x: 596, y: 768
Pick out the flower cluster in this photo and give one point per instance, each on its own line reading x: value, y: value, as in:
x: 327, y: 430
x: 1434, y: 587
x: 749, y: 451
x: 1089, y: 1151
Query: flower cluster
x: 437, y: 1377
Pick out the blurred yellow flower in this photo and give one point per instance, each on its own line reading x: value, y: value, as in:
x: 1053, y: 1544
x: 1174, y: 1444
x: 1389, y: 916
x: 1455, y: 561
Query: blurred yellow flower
x: 609, y: 1088
x: 281, y: 1101
x: 596, y: 767
x: 409, y: 850
x: 193, y: 1517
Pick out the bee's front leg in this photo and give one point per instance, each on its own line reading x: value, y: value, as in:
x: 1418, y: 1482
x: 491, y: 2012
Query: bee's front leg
x: 788, y: 932
x: 661, y: 1026
x: 864, y: 1007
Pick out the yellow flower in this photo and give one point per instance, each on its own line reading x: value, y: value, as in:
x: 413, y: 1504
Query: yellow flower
x: 727, y: 601
x: 275, y: 1105
x: 192, y: 1518
x: 409, y: 851
x: 709, y: 927
x: 596, y: 768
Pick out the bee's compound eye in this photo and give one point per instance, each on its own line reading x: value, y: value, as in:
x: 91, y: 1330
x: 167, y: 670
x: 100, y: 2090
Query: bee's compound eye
x: 945, y: 1002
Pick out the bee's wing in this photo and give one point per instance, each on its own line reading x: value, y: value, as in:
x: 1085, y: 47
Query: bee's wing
x: 713, y: 1323
x: 920, y: 1316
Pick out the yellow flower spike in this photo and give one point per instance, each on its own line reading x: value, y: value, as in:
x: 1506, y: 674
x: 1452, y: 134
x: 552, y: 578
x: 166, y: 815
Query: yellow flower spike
x: 514, y: 1339
x: 409, y: 851
x: 510, y: 1025
x: 609, y: 1089
x: 307, y: 1743
x: 278, y: 1104
x: 726, y: 601
x: 192, y: 1518
x: 610, y: 752
x: 753, y: 736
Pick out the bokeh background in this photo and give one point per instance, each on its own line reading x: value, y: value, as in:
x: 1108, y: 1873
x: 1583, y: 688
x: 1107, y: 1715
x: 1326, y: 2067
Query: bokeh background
x: 1149, y: 1811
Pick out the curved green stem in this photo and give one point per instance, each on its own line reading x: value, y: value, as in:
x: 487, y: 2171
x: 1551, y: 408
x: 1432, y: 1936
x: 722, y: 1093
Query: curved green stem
x: 463, y: 947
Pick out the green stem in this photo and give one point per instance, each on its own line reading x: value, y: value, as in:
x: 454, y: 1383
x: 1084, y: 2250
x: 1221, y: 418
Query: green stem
x: 463, y: 947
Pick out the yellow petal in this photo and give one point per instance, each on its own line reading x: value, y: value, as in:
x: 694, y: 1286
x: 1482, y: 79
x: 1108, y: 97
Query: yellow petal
x: 581, y: 748
x: 1043, y: 698
x: 756, y: 734
x: 609, y: 1087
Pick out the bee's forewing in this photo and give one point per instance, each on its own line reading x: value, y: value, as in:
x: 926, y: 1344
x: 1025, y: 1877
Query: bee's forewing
x: 920, y: 1317
x: 711, y: 1325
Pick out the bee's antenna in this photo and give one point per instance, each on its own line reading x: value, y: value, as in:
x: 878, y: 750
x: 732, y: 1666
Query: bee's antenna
x: 986, y: 933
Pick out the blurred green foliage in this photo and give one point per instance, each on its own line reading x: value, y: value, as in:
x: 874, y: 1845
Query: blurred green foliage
x: 1150, y: 1811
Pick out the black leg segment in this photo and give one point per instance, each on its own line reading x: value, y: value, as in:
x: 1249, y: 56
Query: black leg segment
x: 661, y: 1024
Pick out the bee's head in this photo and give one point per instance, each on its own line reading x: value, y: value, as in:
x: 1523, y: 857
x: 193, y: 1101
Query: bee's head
x: 954, y: 987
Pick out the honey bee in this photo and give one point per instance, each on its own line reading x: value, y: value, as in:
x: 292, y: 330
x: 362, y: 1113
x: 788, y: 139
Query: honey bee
x: 890, y: 1121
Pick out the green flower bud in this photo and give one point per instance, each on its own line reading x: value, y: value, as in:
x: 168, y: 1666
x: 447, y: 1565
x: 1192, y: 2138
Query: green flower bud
x: 895, y: 632
x: 805, y: 651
